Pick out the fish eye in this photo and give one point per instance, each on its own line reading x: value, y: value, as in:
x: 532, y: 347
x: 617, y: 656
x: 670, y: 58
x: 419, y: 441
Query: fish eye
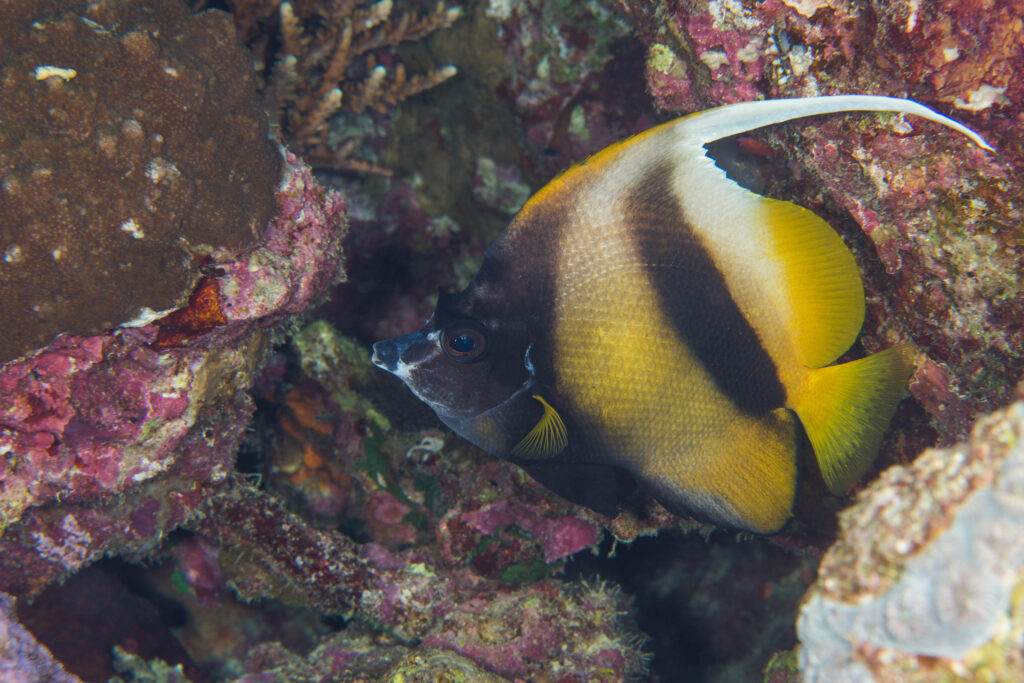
x: 464, y: 343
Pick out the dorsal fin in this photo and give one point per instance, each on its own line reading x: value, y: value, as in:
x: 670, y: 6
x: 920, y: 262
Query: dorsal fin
x: 817, y: 276
x: 733, y: 119
x: 687, y: 134
x: 548, y: 437
x: 820, y: 281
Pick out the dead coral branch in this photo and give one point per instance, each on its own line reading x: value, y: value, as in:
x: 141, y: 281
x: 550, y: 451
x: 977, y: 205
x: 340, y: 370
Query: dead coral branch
x: 330, y: 57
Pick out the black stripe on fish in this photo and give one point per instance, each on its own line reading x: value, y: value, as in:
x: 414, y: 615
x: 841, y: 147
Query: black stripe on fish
x: 693, y: 293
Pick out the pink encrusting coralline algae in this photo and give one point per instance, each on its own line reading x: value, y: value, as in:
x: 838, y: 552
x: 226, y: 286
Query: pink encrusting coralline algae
x: 22, y: 658
x: 112, y: 440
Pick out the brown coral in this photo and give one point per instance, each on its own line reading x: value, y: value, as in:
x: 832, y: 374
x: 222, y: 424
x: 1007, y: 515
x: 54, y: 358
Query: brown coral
x: 123, y: 158
x: 322, y: 58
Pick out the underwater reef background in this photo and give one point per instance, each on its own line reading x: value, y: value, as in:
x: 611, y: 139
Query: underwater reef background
x: 210, y: 210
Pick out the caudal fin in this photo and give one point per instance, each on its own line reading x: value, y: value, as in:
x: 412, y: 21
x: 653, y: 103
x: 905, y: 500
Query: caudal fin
x: 845, y: 409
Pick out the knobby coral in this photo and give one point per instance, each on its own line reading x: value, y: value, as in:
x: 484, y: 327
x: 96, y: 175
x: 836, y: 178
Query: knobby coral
x: 106, y: 442
x: 924, y: 581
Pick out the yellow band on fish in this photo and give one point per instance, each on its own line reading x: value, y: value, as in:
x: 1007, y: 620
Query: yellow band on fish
x: 548, y: 437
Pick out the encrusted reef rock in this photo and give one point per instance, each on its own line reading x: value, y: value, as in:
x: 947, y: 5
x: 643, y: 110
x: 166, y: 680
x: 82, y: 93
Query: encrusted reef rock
x: 924, y: 581
x: 108, y: 441
x: 22, y: 658
x: 132, y: 146
x: 525, y: 629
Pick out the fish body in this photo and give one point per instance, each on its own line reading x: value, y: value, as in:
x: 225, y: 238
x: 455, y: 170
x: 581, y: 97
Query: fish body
x: 644, y: 317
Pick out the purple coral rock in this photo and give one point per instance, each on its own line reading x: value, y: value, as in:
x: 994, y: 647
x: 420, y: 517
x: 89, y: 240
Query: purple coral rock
x: 558, y: 537
x: 300, y: 256
x: 197, y: 560
x: 108, y: 441
x: 543, y: 628
x: 22, y: 658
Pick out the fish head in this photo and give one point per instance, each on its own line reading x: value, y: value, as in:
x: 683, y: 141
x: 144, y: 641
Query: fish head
x: 471, y: 366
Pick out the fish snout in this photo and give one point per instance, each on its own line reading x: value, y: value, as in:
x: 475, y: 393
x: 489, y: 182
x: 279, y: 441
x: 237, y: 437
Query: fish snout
x: 385, y: 355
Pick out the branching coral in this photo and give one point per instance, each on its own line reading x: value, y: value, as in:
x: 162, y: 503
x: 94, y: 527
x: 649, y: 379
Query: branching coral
x: 322, y: 58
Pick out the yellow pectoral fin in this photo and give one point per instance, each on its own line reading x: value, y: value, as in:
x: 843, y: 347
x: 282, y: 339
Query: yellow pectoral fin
x: 846, y: 409
x: 547, y: 439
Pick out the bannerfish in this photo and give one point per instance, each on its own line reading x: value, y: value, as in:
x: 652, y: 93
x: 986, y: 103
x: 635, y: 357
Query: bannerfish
x: 644, y: 317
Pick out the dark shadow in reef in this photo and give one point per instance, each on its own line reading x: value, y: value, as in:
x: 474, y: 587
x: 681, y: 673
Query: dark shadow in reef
x: 716, y: 609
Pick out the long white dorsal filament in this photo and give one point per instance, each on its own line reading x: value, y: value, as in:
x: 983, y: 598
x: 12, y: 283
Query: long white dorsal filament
x: 742, y: 117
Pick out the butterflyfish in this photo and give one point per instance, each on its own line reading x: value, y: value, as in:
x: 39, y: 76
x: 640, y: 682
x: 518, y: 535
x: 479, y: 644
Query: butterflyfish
x: 645, y: 317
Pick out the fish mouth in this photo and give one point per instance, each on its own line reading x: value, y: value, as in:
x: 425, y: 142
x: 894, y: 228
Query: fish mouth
x: 385, y: 355
x: 401, y: 353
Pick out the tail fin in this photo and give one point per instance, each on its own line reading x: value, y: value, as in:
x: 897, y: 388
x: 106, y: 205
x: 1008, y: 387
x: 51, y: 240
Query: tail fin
x: 846, y: 409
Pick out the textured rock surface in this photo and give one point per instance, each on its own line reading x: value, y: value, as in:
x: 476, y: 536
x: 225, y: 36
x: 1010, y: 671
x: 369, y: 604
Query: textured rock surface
x: 107, y: 442
x: 513, y: 630
x: 125, y: 160
x: 924, y: 579
x: 22, y: 659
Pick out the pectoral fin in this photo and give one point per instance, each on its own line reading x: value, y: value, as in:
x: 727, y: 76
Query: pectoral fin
x: 547, y: 439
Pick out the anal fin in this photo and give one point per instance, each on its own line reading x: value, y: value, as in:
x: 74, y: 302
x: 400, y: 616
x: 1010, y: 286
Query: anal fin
x: 745, y: 476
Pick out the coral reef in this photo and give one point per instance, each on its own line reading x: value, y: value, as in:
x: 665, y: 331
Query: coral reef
x: 565, y: 54
x: 340, y: 534
x: 125, y: 162
x: 109, y: 441
x: 513, y: 631
x: 434, y: 665
x: 924, y: 580
x: 326, y: 58
x: 138, y: 670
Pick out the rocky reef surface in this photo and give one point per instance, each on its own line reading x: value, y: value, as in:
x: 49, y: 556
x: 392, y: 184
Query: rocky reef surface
x: 924, y: 579
x: 127, y: 161
x: 112, y: 440
x: 231, y: 477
